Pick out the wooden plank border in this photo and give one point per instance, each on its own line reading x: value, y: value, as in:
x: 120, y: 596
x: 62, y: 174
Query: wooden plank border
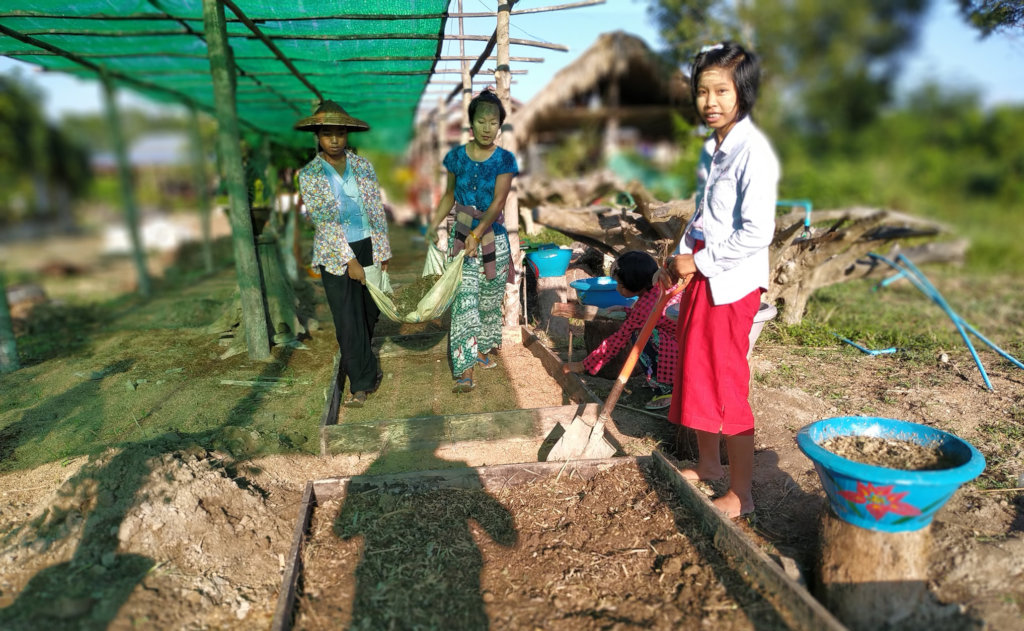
x: 330, y: 415
x: 800, y: 608
x: 290, y: 581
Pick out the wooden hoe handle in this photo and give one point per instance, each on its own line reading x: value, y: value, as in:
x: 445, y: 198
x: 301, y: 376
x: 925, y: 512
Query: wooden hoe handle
x: 634, y: 353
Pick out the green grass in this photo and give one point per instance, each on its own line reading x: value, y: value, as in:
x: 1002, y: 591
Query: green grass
x: 546, y: 235
x: 901, y: 316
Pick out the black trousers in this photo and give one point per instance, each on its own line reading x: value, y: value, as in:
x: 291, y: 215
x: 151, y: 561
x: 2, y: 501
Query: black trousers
x: 355, y: 316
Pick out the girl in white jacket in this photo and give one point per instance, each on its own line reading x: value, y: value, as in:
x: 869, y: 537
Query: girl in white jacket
x: 724, y: 252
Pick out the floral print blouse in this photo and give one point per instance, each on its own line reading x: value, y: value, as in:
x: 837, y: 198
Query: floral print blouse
x: 330, y: 247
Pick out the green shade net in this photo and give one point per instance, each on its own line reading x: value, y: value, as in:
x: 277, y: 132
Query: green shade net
x: 372, y: 56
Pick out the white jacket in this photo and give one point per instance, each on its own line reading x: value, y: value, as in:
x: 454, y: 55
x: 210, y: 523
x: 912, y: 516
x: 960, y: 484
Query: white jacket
x: 736, y: 193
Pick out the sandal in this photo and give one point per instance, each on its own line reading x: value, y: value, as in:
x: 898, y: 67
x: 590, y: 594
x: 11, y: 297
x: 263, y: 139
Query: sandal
x: 659, y: 402
x: 463, y: 385
x: 486, y: 362
x: 357, y: 400
x: 376, y: 382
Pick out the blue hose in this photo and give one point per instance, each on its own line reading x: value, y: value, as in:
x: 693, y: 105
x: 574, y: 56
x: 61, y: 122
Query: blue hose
x: 919, y: 280
x: 881, y: 351
x: 806, y: 203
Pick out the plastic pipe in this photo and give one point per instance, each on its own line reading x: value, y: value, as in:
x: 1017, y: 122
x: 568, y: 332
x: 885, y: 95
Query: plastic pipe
x: 882, y: 351
x: 929, y: 290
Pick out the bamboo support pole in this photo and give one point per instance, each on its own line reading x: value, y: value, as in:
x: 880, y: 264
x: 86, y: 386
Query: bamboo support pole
x: 131, y: 213
x: 8, y: 344
x: 111, y: 55
x: 442, y: 147
x: 502, y: 78
x: 467, y: 85
x: 202, y: 189
x: 250, y: 287
x: 350, y: 16
x: 270, y: 45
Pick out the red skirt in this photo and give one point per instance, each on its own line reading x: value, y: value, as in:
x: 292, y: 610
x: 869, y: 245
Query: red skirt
x: 712, y: 384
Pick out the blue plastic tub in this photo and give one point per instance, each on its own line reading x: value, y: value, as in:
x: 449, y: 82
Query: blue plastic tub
x: 549, y: 260
x: 600, y: 291
x: 880, y: 498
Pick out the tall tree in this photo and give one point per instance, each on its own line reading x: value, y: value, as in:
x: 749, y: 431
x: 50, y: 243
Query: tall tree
x: 830, y: 67
x: 991, y: 16
x: 38, y: 161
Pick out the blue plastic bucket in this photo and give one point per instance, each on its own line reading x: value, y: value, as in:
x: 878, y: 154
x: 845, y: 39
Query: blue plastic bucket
x: 600, y: 291
x: 549, y: 260
x: 880, y: 498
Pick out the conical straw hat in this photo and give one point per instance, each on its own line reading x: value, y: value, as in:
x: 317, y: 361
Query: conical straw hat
x: 330, y: 113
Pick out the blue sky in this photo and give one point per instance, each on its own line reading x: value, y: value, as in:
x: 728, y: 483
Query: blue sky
x: 948, y: 51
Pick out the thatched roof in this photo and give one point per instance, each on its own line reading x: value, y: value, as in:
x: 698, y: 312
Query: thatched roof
x: 647, y: 86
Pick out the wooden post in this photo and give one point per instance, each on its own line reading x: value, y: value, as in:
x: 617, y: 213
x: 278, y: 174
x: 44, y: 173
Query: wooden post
x: 440, y: 175
x: 611, y: 127
x: 131, y: 213
x: 250, y: 289
x: 551, y: 290
x: 202, y: 188
x: 467, y: 84
x: 8, y: 345
x: 503, y: 80
x: 269, y: 177
x: 870, y: 579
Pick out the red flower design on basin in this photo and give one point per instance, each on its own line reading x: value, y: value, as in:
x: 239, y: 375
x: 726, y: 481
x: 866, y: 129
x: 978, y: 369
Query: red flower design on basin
x: 879, y: 500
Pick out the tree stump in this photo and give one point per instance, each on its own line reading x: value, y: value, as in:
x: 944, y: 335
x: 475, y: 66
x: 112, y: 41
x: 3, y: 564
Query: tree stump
x: 550, y: 290
x: 871, y: 579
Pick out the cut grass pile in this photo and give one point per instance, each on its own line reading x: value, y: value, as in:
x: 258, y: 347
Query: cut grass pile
x: 407, y: 297
x: 149, y: 368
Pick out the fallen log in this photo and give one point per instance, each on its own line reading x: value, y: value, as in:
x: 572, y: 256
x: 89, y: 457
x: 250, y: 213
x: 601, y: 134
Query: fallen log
x: 837, y: 253
x: 834, y: 251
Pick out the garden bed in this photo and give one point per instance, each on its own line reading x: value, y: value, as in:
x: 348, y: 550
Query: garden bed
x: 619, y: 542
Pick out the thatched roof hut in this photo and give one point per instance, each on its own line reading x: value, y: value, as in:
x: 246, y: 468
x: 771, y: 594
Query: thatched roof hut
x: 618, y: 82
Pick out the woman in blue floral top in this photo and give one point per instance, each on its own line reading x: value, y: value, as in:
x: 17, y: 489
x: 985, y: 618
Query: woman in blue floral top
x: 341, y: 193
x: 479, y: 178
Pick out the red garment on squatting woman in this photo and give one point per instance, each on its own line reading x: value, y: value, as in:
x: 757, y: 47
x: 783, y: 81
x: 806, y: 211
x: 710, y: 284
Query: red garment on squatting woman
x: 635, y: 320
x: 712, y: 386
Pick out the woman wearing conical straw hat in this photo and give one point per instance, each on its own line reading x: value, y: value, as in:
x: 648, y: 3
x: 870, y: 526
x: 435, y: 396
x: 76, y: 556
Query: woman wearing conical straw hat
x: 341, y: 193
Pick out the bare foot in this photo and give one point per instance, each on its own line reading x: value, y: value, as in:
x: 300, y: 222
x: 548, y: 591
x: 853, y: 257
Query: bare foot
x: 732, y: 505
x: 707, y: 474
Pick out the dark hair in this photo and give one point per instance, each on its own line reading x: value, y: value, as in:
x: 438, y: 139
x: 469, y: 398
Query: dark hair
x: 634, y: 269
x: 487, y: 96
x: 745, y: 68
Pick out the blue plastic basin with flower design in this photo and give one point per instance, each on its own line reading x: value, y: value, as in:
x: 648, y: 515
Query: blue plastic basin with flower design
x: 881, y: 498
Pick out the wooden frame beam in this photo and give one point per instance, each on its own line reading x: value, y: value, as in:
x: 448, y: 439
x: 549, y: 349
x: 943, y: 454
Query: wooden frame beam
x: 354, y: 16
x: 259, y: 35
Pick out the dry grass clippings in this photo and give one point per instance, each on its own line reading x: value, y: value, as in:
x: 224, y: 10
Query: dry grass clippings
x: 555, y: 553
